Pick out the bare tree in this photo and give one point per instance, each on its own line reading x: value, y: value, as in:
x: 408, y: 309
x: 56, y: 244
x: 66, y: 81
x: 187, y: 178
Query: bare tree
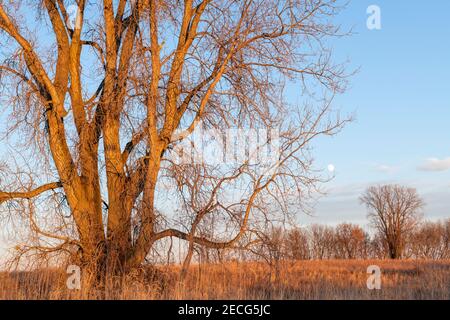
x: 322, y: 242
x: 297, y: 244
x: 101, y: 99
x: 350, y: 241
x: 394, y: 211
x: 270, y: 247
x: 429, y: 241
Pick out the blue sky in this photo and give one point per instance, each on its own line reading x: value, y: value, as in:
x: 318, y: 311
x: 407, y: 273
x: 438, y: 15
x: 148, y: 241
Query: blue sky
x: 401, y: 98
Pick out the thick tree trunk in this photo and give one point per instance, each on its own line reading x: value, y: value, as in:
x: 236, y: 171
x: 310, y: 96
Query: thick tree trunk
x: 394, y: 251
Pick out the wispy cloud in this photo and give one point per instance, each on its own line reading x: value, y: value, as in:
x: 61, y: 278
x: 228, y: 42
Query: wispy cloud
x: 385, y: 168
x: 435, y: 164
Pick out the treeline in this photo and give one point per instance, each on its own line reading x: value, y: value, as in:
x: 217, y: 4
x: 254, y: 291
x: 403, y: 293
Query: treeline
x: 396, y: 221
x: 429, y: 240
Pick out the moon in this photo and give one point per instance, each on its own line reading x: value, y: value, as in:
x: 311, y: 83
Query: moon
x: 331, y: 168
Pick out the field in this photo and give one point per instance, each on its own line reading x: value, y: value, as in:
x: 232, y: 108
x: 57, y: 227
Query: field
x: 328, y: 279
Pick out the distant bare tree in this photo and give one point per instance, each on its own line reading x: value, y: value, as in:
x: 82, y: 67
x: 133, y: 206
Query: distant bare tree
x: 447, y: 237
x: 429, y: 241
x: 394, y: 211
x: 377, y: 248
x: 321, y: 241
x: 350, y: 241
x: 297, y: 244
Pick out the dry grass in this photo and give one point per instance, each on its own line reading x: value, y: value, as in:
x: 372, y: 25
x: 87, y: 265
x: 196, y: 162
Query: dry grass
x: 333, y: 279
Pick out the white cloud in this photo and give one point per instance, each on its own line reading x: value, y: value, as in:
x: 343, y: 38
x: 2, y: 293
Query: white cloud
x: 435, y: 164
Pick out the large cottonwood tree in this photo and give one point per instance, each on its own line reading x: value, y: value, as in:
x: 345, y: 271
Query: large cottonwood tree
x: 394, y: 212
x: 97, y: 95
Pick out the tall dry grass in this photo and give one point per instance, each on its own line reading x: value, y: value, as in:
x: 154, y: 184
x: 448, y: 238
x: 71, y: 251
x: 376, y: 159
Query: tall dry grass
x: 327, y: 279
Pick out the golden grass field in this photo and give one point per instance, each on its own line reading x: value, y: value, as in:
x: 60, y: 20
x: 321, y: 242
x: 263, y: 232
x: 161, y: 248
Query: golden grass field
x: 327, y: 279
